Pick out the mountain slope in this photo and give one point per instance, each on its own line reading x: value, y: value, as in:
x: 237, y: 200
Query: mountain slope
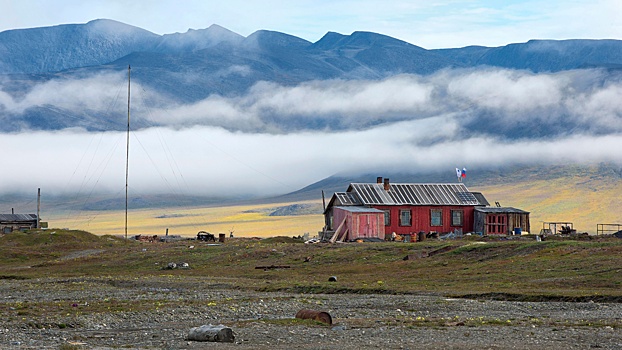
x: 188, y: 68
x: 52, y: 49
x: 542, y: 55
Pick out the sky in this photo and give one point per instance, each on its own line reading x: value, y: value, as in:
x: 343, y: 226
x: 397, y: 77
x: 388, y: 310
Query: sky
x: 212, y: 146
x: 426, y: 23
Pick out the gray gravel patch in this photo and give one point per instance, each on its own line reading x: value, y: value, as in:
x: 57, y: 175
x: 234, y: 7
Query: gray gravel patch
x: 158, y: 312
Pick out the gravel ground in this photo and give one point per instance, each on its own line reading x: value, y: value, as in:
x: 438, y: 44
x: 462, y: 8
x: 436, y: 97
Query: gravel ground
x: 158, y: 312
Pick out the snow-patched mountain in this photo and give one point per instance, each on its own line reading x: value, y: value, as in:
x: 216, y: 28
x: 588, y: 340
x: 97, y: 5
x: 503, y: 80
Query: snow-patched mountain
x: 194, y: 40
x: 52, y: 49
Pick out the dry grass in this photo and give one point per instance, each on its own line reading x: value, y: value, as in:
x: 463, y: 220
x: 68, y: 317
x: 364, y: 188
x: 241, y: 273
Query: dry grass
x: 244, y: 220
x: 573, y: 199
x: 586, y: 269
x: 584, y: 197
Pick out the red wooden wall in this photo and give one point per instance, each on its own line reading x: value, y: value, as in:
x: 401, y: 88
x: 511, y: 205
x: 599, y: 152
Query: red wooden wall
x: 420, y: 218
x: 360, y: 224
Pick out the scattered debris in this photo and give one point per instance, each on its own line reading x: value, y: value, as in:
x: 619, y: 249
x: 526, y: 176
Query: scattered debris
x: 212, y: 333
x: 567, y: 230
x: 172, y: 266
x: 312, y: 241
x: 321, y: 316
x: 171, y: 238
x: 205, y: 236
x: 143, y: 238
x: 452, y: 235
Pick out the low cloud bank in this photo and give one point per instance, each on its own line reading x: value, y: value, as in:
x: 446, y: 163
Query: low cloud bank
x: 215, y: 162
x: 277, y: 139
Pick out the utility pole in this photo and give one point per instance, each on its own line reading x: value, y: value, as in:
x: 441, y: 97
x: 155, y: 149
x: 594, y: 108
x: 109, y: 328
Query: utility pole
x: 38, y: 208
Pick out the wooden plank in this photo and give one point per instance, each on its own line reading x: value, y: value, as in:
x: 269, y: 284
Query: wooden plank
x: 334, y: 237
x: 345, y: 234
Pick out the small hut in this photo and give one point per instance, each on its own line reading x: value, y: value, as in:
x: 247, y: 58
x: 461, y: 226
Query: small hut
x: 17, y: 222
x: 501, y: 220
x: 356, y: 222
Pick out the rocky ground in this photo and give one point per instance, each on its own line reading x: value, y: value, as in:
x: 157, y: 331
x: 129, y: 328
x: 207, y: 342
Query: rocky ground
x: 158, y: 312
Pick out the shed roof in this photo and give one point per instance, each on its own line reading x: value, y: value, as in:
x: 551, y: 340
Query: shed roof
x: 354, y: 209
x: 17, y: 217
x: 414, y: 194
x: 501, y: 210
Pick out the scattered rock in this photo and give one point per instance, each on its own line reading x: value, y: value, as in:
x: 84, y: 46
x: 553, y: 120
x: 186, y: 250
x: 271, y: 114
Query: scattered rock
x: 212, y: 333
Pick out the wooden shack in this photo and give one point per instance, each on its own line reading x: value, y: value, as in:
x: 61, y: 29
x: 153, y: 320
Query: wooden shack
x: 355, y: 222
x: 17, y: 222
x: 501, y: 221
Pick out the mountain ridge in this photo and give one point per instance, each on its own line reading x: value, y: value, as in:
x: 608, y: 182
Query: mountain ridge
x: 216, y: 62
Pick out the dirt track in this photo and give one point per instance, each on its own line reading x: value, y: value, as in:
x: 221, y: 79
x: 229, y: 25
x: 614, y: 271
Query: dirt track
x: 107, y: 313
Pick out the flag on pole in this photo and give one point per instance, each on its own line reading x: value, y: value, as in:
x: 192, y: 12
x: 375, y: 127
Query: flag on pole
x: 463, y: 172
x: 458, y: 173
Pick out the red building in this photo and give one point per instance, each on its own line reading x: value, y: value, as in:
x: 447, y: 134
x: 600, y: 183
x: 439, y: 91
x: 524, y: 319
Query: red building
x: 407, y: 208
x: 358, y: 223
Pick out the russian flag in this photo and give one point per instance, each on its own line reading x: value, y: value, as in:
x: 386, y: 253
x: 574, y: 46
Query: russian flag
x: 463, y: 172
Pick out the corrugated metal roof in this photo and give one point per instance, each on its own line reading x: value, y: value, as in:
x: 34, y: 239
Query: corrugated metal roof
x: 17, y: 217
x: 480, y: 198
x: 348, y: 198
x: 361, y: 209
x: 414, y: 194
x: 501, y: 210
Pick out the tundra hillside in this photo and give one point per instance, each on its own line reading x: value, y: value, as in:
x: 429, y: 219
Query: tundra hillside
x: 72, y: 289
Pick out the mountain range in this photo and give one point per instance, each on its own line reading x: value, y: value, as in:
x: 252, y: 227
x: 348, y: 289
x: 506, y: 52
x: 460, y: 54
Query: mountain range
x: 193, y: 66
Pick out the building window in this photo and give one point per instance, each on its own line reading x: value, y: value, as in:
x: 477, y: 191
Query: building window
x: 457, y: 217
x: 405, y: 218
x: 436, y: 217
x: 387, y: 218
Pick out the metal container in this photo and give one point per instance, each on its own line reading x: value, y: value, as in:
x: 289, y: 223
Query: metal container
x: 320, y: 316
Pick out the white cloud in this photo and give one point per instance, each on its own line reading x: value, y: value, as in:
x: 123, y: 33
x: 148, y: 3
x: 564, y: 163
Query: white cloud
x: 277, y: 139
x: 212, y: 161
x: 508, y: 90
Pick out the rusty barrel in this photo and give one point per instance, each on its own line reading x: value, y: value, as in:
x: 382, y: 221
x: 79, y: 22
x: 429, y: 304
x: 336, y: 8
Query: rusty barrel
x: 321, y: 316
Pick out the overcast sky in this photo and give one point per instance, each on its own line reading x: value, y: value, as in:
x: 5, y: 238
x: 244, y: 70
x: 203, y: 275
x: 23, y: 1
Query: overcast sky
x: 427, y: 23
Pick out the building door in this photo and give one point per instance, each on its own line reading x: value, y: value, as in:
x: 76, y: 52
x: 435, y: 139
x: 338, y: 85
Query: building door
x: 496, y: 224
x: 367, y: 225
